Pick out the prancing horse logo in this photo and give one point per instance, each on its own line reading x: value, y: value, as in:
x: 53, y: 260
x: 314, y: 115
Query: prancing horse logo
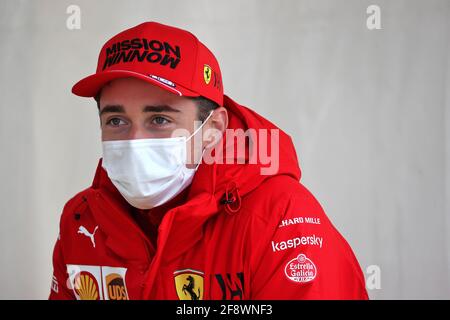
x: 190, y: 288
x: 207, y: 73
x: 82, y: 230
x: 189, y: 284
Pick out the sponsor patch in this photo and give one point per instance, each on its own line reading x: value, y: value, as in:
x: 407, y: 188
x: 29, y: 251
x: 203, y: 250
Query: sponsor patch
x: 207, y: 73
x: 231, y: 285
x: 114, y: 283
x: 189, y: 284
x: 97, y: 282
x: 299, y: 220
x: 296, y: 242
x: 55, y: 284
x: 86, y: 286
x: 142, y: 50
x: 301, y: 269
x: 82, y: 230
x: 162, y: 80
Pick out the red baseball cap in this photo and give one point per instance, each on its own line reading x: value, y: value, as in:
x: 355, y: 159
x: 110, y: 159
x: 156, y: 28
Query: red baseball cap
x: 169, y: 57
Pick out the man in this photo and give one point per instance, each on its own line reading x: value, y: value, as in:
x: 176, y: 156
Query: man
x: 186, y: 202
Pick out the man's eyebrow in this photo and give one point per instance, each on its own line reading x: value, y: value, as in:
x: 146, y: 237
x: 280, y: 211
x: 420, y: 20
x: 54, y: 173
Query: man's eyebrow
x: 160, y: 108
x: 112, y: 109
x: 120, y: 109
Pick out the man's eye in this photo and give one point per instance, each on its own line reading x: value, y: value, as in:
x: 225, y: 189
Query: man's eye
x: 160, y: 120
x: 115, y: 122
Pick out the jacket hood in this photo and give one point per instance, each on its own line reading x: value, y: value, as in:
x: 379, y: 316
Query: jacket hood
x: 269, y: 152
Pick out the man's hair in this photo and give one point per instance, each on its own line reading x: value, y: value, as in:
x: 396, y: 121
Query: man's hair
x: 205, y: 105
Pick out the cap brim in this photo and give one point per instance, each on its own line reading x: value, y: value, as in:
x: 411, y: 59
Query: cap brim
x: 90, y: 86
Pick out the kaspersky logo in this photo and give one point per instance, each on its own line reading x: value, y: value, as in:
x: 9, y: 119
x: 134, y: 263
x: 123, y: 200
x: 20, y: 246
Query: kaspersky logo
x: 97, y: 282
x: 297, y: 242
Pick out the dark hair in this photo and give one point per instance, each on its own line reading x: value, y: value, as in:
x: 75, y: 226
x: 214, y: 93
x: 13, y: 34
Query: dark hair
x: 205, y: 106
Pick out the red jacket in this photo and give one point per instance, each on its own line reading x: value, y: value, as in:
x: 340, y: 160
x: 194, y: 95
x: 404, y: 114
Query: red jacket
x: 271, y: 240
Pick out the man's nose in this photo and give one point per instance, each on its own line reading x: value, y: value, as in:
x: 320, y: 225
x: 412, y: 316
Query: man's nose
x: 138, y: 132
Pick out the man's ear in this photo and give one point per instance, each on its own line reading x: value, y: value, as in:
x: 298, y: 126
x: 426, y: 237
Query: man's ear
x: 218, y: 125
x: 219, y: 119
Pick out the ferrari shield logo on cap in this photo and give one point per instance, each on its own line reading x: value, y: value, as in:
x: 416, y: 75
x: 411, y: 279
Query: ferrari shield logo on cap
x: 207, y: 73
x: 189, y: 284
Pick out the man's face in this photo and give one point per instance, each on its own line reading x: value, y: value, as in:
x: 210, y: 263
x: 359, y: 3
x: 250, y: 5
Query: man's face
x: 134, y: 109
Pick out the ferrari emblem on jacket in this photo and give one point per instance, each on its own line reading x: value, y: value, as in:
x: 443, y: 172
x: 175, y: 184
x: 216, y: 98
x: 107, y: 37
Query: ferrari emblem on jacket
x: 189, y: 284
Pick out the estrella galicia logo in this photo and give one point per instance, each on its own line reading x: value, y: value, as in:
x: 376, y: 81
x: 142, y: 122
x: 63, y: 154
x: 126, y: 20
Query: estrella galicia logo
x: 301, y: 269
x: 137, y: 49
x: 231, y: 285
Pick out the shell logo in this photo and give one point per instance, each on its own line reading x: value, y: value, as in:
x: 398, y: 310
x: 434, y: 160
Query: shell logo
x: 86, y: 286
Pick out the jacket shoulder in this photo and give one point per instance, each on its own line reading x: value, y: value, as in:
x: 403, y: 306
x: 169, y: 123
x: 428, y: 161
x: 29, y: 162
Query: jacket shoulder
x: 77, y: 203
x: 280, y: 195
x: 290, y: 223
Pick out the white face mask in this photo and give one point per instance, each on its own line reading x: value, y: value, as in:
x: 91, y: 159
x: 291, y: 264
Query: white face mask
x: 148, y: 172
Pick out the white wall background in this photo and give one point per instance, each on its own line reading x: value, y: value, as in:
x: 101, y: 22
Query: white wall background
x: 369, y: 112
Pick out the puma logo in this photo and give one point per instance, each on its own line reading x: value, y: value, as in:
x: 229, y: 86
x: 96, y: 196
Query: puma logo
x: 82, y: 230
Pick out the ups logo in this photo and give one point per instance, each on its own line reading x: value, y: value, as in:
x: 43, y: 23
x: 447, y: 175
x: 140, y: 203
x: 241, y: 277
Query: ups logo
x: 116, y: 287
